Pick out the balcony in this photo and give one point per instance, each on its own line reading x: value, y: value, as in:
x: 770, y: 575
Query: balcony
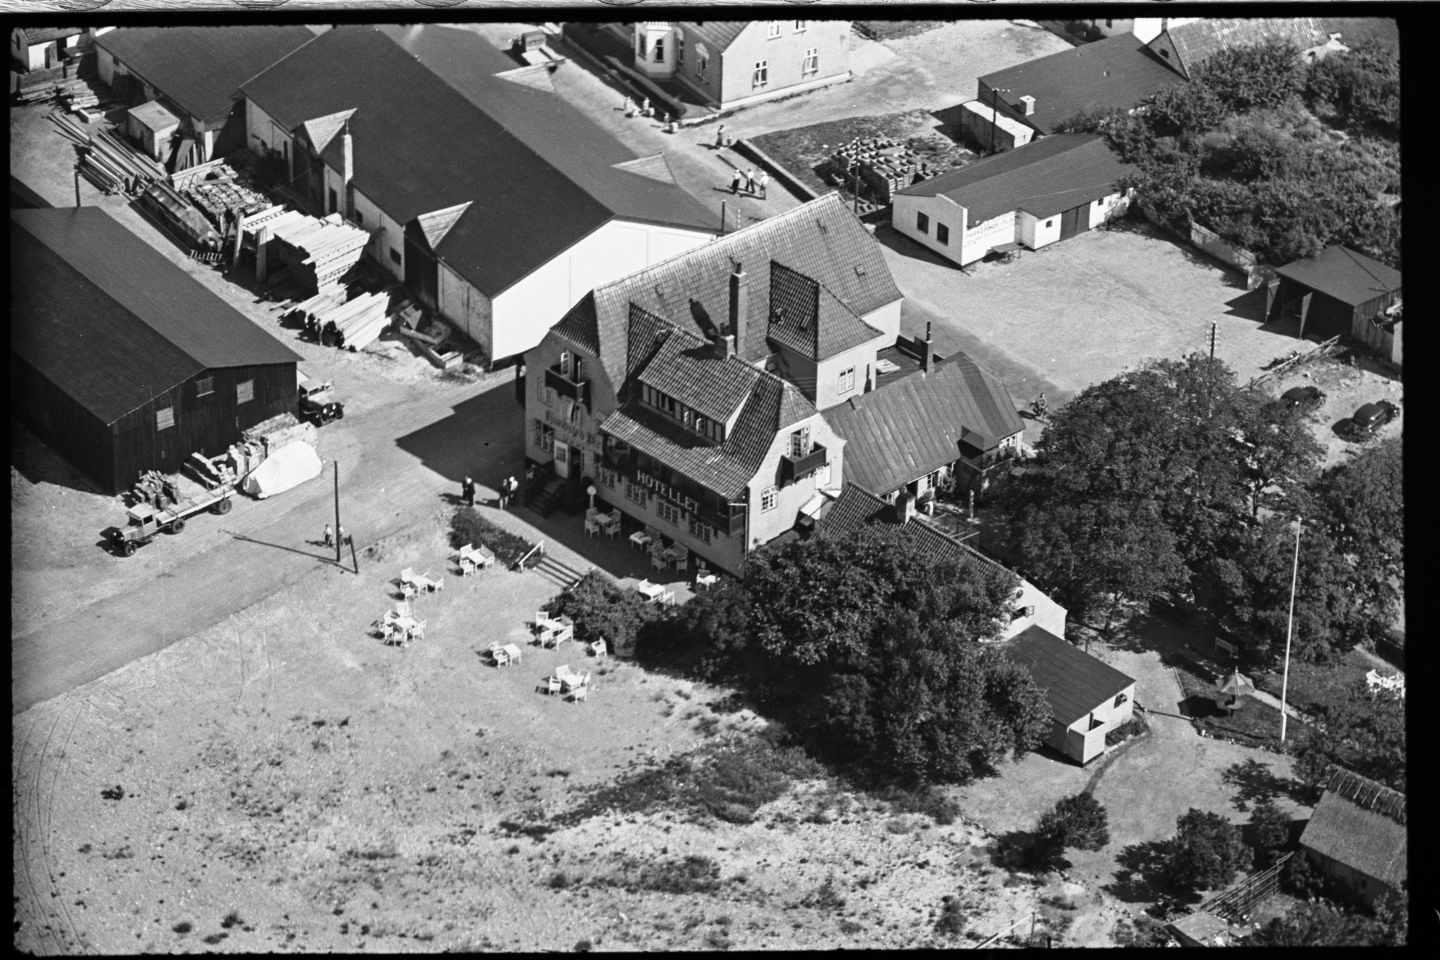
x: 577, y: 390
x: 797, y: 468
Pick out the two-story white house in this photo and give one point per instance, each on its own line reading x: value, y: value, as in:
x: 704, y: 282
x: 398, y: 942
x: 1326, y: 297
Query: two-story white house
x: 670, y: 390
x: 493, y: 200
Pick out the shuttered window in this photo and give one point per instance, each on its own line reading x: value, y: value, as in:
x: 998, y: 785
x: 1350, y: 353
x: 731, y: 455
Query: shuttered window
x: 164, y: 418
x: 204, y: 386
x: 245, y: 391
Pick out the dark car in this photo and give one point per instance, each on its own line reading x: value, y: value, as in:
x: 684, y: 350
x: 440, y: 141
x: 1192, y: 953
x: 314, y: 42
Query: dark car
x: 318, y: 404
x: 1370, y: 418
x: 1304, y: 399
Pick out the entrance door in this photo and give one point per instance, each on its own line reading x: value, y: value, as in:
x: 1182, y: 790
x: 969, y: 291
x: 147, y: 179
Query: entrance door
x: 1074, y: 220
x: 562, y: 458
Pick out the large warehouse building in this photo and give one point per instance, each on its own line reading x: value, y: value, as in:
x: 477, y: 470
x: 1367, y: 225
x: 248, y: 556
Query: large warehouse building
x: 121, y: 361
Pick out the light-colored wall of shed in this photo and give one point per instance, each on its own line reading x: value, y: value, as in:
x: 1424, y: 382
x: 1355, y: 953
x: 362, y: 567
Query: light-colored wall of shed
x: 827, y: 380
x: 960, y: 248
x: 988, y: 234
x: 524, y: 312
x: 469, y: 310
x: 1107, y: 207
x: 262, y: 133
x: 386, y: 235
x: 766, y: 526
x: 1036, y: 232
x: 1084, y: 744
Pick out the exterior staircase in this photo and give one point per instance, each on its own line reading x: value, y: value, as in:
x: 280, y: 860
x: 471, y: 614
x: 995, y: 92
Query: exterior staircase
x: 544, y: 498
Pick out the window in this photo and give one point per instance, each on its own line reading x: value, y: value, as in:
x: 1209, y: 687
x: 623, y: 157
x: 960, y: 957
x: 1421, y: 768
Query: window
x: 922, y: 222
x: 847, y: 380
x: 395, y: 256
x: 942, y: 233
x: 334, y: 201
x: 773, y: 29
x: 1120, y: 700
x: 679, y: 49
x: 1050, y: 221
x: 565, y: 362
x: 701, y: 62
x: 164, y: 418
x: 800, y: 25
x: 660, y: 50
x: 1165, y: 53
x: 800, y: 442
x: 245, y: 391
x: 768, y: 497
x: 761, y: 76
x: 359, y: 219
x: 204, y: 386
x: 668, y: 511
x: 811, y: 64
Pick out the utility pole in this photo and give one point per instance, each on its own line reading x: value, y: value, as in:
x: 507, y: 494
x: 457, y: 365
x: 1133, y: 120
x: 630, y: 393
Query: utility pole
x: 722, y: 218
x: 77, y: 184
x: 1213, y: 326
x: 994, y: 116
x: 1289, y: 629
x: 855, y: 187
x: 338, y: 537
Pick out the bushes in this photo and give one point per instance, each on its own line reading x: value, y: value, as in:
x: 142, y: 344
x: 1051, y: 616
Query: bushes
x: 1134, y: 727
x: 1269, y: 832
x: 952, y: 918
x: 467, y: 526
x: 1206, y: 853
x: 1079, y: 822
x: 602, y: 610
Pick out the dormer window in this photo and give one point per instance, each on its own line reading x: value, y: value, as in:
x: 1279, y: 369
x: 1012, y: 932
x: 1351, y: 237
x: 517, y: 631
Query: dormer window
x: 800, y: 442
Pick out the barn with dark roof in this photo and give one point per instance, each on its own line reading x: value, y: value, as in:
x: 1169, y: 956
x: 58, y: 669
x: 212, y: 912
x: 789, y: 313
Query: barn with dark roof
x: 1357, y: 834
x: 1341, y: 291
x: 120, y: 360
x: 1088, y: 698
x: 496, y: 202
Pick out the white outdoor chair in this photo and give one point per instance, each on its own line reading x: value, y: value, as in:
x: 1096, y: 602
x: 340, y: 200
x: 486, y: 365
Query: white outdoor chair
x: 598, y: 650
x: 592, y: 527
x: 580, y: 693
x: 550, y: 685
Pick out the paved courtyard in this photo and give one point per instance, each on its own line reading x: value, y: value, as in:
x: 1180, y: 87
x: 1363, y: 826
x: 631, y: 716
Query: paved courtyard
x: 1086, y: 309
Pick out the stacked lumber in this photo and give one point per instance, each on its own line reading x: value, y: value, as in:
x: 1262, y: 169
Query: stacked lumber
x: 321, y: 252
x: 106, y: 160
x: 36, y: 91
x: 356, y: 323
x: 221, y: 197
x: 278, y: 431
x: 76, y: 93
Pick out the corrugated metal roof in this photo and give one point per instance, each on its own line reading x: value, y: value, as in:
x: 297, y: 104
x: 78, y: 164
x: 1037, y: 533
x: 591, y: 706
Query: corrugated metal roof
x: 1042, y: 178
x: 201, y: 69
x: 1074, y: 682
x: 1115, y: 73
x: 821, y: 240
x: 1361, y: 824
x: 433, y: 128
x: 112, y: 322
x: 910, y: 427
x: 1343, y: 274
x: 1198, y: 39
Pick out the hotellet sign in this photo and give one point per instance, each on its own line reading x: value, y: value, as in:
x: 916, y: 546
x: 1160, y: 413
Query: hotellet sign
x: 572, y: 434
x: 668, y: 492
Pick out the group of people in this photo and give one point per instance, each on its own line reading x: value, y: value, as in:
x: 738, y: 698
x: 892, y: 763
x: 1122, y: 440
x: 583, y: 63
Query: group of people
x: 508, y: 488
x: 751, y: 179
x: 330, y: 535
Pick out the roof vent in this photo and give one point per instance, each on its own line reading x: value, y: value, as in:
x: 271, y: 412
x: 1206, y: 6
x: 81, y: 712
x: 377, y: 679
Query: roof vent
x: 859, y: 270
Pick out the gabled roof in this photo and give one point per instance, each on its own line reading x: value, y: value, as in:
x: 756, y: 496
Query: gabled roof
x: 321, y: 130
x: 434, y: 128
x: 855, y: 507
x: 1042, y: 178
x: 1361, y: 824
x: 110, y: 321
x: 808, y: 319
x: 717, y: 34
x: 436, y: 225
x: 911, y: 427
x: 37, y: 35
x: 821, y: 239
x: 694, y: 373
x: 1343, y: 274
x: 200, y: 69
x: 1199, y: 38
x: 1114, y: 73
x: 1074, y: 682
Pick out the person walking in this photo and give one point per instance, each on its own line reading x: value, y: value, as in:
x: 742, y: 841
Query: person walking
x: 764, y: 181
x: 344, y: 536
x: 467, y: 491
x: 720, y: 136
x: 735, y: 178
x: 329, y: 535
x: 750, y: 180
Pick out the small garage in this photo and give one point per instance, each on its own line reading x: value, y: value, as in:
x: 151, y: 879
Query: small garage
x: 1337, y: 291
x: 152, y: 127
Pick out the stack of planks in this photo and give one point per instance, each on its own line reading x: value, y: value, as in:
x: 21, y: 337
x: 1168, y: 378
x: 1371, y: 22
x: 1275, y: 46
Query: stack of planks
x: 321, y: 252
x: 356, y: 323
x: 77, y: 94
x: 107, y: 161
x: 222, y: 196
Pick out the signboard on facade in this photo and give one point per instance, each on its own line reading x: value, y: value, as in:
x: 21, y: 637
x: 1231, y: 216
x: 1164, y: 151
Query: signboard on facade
x: 572, y: 434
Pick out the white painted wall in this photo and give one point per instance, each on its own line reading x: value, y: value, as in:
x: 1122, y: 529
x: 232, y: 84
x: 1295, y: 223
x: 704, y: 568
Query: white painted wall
x: 1036, y: 233
x: 1115, y: 205
x: 469, y: 310
x: 940, y: 210
x: 385, y: 236
x: 523, y: 313
x: 827, y: 374
x: 262, y: 133
x: 886, y: 319
x: 766, y: 526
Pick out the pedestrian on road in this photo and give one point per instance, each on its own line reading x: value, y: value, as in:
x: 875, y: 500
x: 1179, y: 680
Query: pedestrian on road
x: 720, y: 136
x: 764, y: 182
x: 344, y: 536
x: 645, y: 107
x: 629, y: 108
x: 735, y: 181
x: 467, y: 491
x: 329, y: 535
x: 750, y: 180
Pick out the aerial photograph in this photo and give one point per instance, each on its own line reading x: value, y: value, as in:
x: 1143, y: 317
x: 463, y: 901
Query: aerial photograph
x: 735, y: 484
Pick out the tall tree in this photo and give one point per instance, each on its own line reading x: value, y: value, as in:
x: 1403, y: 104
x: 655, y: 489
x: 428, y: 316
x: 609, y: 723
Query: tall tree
x: 1207, y: 851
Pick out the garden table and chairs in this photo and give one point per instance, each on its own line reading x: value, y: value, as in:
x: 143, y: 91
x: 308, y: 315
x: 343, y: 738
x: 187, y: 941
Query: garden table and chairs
x: 650, y: 591
x: 640, y: 539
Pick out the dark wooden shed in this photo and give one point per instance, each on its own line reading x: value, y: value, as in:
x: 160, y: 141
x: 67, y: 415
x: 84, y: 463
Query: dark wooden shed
x: 1334, y: 292
x: 120, y: 360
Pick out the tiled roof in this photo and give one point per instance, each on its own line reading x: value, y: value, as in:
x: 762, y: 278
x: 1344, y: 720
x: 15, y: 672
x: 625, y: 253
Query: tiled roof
x: 1115, y: 73
x: 1074, y: 682
x: 201, y: 69
x: 821, y: 239
x: 37, y: 35
x: 1343, y: 274
x: 1360, y: 824
x: 1042, y: 178
x: 808, y: 319
x: 433, y: 129
x: 717, y: 34
x: 694, y: 373
x: 1202, y: 37
x: 911, y: 427
x: 110, y: 321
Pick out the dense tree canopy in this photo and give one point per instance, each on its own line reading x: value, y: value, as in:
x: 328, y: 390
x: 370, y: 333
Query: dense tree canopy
x: 1366, y: 734
x: 1237, y: 151
x: 869, y: 647
x: 1320, y: 923
x: 1206, y: 852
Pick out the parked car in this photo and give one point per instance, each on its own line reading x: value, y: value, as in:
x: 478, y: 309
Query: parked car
x: 1369, y: 419
x: 318, y: 404
x: 1305, y: 399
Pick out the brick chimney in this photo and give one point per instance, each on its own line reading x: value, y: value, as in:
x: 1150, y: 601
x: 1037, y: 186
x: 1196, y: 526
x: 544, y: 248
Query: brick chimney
x: 739, y: 308
x: 1027, y: 105
x: 904, y: 507
x: 927, y: 349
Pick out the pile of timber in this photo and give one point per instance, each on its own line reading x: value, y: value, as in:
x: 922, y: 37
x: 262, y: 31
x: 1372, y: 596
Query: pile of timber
x: 357, y: 323
x: 320, y: 252
x: 107, y: 161
x: 77, y: 94
x: 224, y: 198
x: 274, y: 433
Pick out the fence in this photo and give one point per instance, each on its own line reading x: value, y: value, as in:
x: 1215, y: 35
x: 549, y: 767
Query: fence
x: 791, y: 182
x: 1208, y: 242
x: 1325, y: 348
x: 1236, y: 902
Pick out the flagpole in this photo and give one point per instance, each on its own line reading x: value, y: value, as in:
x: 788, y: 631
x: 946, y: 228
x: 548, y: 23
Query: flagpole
x: 1289, y: 629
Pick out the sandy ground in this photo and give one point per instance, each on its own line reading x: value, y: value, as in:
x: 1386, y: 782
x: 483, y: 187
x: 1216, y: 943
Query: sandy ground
x: 1346, y: 387
x: 337, y: 794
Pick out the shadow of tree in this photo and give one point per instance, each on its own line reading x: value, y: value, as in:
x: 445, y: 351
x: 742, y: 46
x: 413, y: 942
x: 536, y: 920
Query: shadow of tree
x: 1143, y: 877
x: 1254, y: 782
x: 1024, y: 851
